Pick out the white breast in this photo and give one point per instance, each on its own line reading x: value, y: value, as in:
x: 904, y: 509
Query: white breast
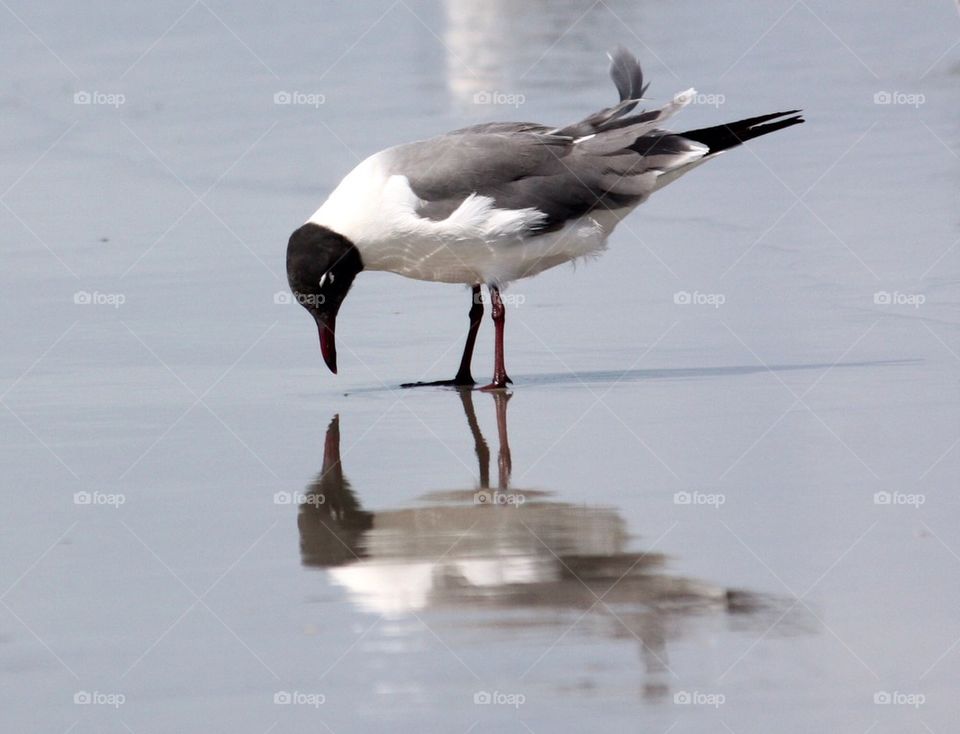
x: 477, y: 243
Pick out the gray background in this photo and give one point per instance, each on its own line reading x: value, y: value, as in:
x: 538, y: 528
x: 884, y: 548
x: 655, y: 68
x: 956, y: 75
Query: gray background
x: 199, y: 397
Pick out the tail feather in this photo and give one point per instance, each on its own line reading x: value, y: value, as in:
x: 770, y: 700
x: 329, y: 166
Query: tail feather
x: 732, y: 134
x: 614, y: 129
x: 626, y: 74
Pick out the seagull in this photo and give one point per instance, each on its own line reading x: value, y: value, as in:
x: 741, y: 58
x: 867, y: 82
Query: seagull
x: 496, y: 202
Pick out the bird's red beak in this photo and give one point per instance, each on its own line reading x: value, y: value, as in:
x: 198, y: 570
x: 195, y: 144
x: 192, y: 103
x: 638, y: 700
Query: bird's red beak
x: 327, y: 324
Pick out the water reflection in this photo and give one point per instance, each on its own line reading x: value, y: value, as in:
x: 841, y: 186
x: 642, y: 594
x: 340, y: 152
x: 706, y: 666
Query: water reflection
x: 499, y: 548
x: 493, y: 46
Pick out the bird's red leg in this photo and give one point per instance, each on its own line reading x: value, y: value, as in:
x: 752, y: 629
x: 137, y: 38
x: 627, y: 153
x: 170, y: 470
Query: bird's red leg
x: 497, y: 311
x: 463, y: 377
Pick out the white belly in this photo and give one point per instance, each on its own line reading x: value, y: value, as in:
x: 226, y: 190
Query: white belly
x: 500, y: 261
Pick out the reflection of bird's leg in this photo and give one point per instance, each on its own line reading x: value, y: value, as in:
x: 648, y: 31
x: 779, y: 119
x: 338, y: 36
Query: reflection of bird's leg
x: 504, y: 462
x: 479, y: 444
x: 329, y: 483
x: 332, y: 472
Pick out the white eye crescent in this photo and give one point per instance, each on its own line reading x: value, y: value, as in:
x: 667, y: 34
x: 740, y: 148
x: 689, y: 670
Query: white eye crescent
x: 327, y: 277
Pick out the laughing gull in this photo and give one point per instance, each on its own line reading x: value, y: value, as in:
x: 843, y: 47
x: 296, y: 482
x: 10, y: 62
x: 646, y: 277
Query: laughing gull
x: 500, y: 201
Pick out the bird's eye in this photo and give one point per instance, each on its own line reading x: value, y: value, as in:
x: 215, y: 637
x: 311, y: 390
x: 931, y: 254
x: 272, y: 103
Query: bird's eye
x: 324, y: 278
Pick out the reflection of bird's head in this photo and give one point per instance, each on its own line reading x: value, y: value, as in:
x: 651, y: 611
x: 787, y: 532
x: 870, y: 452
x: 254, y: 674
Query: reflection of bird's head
x: 331, y: 520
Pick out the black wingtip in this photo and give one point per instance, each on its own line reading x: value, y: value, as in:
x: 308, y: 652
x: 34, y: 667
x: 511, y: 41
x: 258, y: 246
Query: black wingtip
x: 732, y: 134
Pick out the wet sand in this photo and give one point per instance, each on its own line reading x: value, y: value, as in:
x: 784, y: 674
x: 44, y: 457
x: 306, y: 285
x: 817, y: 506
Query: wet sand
x: 720, y: 496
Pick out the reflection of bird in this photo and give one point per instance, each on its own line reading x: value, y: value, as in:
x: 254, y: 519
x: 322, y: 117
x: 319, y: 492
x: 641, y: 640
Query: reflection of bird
x: 527, y: 555
x: 496, y: 202
x: 331, y: 520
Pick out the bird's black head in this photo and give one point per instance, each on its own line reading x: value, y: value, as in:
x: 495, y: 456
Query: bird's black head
x: 321, y: 266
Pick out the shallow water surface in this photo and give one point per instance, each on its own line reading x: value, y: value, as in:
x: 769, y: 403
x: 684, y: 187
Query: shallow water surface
x: 720, y: 495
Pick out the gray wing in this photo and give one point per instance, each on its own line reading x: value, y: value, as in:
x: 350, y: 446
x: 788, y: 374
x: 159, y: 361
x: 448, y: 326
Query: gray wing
x: 609, y: 160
